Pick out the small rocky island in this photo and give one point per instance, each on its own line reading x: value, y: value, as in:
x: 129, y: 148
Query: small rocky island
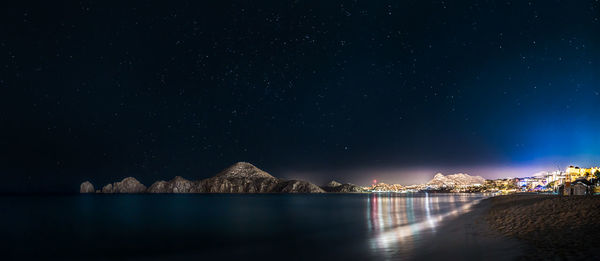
x: 241, y: 177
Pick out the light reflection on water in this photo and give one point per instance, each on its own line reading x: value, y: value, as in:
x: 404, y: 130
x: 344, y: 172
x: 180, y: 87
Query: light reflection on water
x: 396, y: 222
x: 377, y: 226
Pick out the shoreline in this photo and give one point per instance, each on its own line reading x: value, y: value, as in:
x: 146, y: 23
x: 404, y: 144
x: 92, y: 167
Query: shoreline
x: 521, y: 226
x: 470, y: 231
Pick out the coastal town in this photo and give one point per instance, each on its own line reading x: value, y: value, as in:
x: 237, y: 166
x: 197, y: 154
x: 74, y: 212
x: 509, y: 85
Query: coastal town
x: 573, y: 180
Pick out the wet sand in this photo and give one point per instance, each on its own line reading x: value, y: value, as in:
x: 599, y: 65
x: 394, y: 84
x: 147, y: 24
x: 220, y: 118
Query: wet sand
x: 468, y: 237
x: 552, y: 227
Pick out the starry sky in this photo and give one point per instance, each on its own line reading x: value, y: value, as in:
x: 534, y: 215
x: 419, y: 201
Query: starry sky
x: 351, y: 90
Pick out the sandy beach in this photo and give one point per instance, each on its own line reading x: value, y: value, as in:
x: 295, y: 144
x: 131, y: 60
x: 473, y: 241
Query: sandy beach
x: 552, y: 227
x: 521, y: 227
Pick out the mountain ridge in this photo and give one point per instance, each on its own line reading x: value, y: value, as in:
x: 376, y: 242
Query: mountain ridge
x: 241, y: 177
x: 455, y: 180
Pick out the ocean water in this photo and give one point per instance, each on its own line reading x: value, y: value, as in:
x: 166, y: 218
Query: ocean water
x: 379, y: 226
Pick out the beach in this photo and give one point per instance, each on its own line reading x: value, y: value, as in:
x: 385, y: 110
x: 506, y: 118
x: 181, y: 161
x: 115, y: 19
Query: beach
x: 550, y: 226
x: 520, y: 227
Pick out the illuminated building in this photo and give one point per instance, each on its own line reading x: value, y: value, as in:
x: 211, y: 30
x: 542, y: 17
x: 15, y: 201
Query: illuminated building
x: 382, y: 187
x: 576, y: 175
x: 573, y: 173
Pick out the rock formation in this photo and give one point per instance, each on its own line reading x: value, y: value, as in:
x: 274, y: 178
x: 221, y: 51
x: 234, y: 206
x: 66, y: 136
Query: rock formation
x: 176, y: 185
x: 180, y: 185
x: 158, y: 187
x: 243, y: 170
x: 241, y: 177
x: 86, y: 187
x: 107, y: 188
x: 127, y: 185
x: 334, y: 186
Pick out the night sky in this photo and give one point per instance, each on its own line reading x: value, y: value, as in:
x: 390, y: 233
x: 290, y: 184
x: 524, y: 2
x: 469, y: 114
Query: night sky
x: 351, y: 90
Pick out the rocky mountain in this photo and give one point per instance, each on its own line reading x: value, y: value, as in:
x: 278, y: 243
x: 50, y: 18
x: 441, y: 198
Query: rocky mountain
x: 243, y: 170
x: 86, y: 187
x: 455, y: 180
x: 127, y: 185
x: 241, y: 177
x: 334, y: 186
x: 159, y: 187
x: 176, y: 185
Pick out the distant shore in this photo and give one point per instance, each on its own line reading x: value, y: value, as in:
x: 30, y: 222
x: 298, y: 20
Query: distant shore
x: 555, y: 227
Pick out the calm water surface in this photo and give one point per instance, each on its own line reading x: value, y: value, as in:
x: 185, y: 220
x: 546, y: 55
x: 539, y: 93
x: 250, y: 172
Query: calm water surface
x: 223, y: 226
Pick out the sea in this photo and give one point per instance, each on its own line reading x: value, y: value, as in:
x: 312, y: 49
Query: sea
x: 375, y: 226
